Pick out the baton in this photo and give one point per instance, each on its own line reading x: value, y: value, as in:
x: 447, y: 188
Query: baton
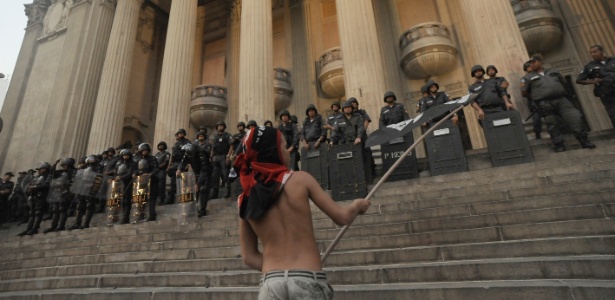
x: 386, y: 175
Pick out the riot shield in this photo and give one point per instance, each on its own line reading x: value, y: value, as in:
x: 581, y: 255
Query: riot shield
x: 347, y: 176
x: 115, y: 194
x: 90, y: 184
x: 58, y: 188
x: 506, y: 139
x: 445, y: 150
x: 186, y: 196
x: 314, y: 161
x: 26, y: 182
x: 140, y: 196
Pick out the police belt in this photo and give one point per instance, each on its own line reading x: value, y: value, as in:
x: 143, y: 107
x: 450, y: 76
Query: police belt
x: 549, y: 98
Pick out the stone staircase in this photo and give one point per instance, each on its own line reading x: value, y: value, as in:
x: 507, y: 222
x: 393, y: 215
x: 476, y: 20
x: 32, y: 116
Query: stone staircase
x: 544, y: 230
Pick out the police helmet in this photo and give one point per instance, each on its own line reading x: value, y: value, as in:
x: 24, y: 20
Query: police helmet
x: 268, y: 122
x: 424, y: 89
x: 111, y: 149
x: 389, y: 94
x: 126, y: 152
x: 67, y: 162
x: 163, y: 143
x: 353, y: 100
x: 44, y: 165
x: 294, y: 119
x: 145, y: 146
x: 181, y: 130
x: 188, y: 148
x: 311, y: 106
x: 526, y: 65
x: 252, y: 123
x: 203, y: 133
x: 347, y: 103
x: 241, y: 123
x: 91, y: 160
x: 492, y: 67
x: 284, y: 112
x: 476, y: 68
x: 220, y: 123
x: 431, y: 83
x: 337, y: 103
x: 82, y: 160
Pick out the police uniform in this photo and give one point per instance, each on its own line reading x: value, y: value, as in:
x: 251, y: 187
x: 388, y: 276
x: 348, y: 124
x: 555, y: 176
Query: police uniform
x: 291, y: 134
x: 347, y: 130
x: 126, y: 169
x: 489, y: 95
x: 392, y: 115
x: 59, y: 209
x: 606, y: 89
x: 163, y: 158
x: 204, y: 177
x: 176, y: 158
x: 18, y: 200
x: 221, y: 146
x: 548, y: 92
x: 37, y: 190
x: 6, y: 189
x: 313, y: 130
x: 149, y: 165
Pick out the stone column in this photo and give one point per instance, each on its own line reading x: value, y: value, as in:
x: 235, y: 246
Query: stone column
x: 364, y: 74
x: 19, y: 79
x: 232, y: 79
x: 255, y: 70
x: 481, y: 26
x: 106, y: 130
x: 302, y: 67
x: 176, y: 80
x: 197, y: 75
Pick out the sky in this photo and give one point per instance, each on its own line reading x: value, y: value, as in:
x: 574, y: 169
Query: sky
x: 13, y: 21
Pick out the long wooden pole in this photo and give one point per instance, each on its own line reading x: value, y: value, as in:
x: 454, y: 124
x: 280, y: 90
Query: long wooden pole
x: 386, y: 175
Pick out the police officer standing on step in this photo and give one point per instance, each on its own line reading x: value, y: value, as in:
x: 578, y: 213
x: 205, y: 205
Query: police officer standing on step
x: 313, y: 129
x: 59, y: 210
x: 349, y: 128
x: 148, y: 165
x: 492, y: 72
x: 251, y: 125
x: 291, y: 134
x: 163, y: 157
x: 38, y: 190
x: 176, y: 158
x: 367, y: 152
x: 125, y: 171
x: 6, y: 189
x: 536, y: 116
x: 546, y: 88
x: 203, y: 149
x: 392, y: 112
x: 492, y: 97
x: 434, y: 98
x: 87, y: 204
x: 241, y: 133
x: 601, y: 73
x: 221, y: 158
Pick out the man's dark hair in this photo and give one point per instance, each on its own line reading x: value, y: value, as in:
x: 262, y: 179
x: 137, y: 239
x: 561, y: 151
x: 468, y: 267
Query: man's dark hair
x: 599, y: 47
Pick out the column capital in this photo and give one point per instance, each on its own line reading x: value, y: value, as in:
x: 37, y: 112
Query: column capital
x: 235, y: 11
x: 36, y: 11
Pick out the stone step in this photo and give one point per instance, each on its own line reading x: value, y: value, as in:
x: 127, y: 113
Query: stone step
x: 602, y: 245
x: 570, y: 267
x: 567, y: 289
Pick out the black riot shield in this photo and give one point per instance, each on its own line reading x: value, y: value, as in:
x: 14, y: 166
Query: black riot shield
x: 140, y: 197
x: 90, y: 184
x: 392, y: 151
x: 115, y: 194
x: 58, y: 188
x: 26, y: 182
x: 186, y: 197
x: 346, y: 170
x: 314, y: 161
x: 445, y: 150
x: 506, y: 139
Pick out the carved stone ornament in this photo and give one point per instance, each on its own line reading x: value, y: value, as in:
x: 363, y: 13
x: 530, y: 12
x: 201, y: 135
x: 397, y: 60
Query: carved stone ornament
x: 146, y: 34
x: 235, y: 11
x: 36, y: 10
x: 57, y: 15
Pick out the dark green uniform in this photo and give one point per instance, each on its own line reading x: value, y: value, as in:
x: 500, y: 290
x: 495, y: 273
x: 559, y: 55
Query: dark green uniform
x: 606, y: 89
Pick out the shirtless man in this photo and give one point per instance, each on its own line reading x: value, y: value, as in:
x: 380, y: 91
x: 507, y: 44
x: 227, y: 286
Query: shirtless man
x: 277, y: 211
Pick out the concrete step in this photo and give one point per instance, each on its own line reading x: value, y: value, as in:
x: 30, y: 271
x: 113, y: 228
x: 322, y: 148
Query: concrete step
x: 495, y: 289
x: 602, y: 245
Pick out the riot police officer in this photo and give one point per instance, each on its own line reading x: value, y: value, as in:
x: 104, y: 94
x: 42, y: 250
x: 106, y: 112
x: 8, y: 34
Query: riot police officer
x: 434, y: 98
x: 601, y: 73
x: 125, y: 170
x: 163, y: 157
x: 536, y: 116
x: 86, y: 204
x: 291, y: 134
x: 492, y: 97
x: 6, y: 189
x: 349, y: 128
x: 546, y: 88
x: 37, y: 189
x: 368, y: 157
x: 424, y: 93
x: 492, y: 72
x: 176, y: 157
x: 392, y: 112
x: 112, y: 160
x: 313, y: 129
x: 61, y: 186
x: 221, y: 158
x: 335, y: 107
x: 203, y: 150
x: 268, y: 123
x: 238, y: 137
x: 252, y: 124
x: 148, y: 165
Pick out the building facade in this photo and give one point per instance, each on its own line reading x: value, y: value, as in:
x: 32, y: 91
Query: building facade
x: 95, y: 73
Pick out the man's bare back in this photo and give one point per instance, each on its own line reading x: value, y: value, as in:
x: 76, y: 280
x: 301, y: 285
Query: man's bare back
x: 286, y: 230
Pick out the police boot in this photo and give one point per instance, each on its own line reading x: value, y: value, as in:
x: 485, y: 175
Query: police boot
x: 75, y: 226
x: 63, y: 216
x: 586, y: 144
x: 32, y: 231
x: 538, y: 136
x: 228, y: 191
x: 24, y: 232
x: 88, y: 218
x: 52, y: 229
x: 560, y: 147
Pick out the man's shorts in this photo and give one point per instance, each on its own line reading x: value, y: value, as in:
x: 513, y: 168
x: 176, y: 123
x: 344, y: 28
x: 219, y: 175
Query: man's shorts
x: 295, y: 284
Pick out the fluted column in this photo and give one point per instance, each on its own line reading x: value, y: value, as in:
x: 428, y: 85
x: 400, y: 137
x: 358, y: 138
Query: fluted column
x: 481, y: 23
x: 19, y: 79
x: 255, y: 70
x: 302, y: 66
x: 108, y: 119
x: 197, y: 75
x: 177, y: 66
x: 232, y: 79
x: 364, y: 78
